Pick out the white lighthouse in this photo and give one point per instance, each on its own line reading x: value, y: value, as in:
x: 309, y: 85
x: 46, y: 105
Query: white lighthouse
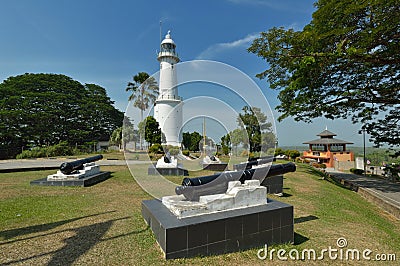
x: 168, y: 108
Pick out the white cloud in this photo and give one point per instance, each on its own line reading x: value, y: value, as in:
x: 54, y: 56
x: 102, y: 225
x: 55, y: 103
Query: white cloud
x: 214, y: 49
x: 295, y: 26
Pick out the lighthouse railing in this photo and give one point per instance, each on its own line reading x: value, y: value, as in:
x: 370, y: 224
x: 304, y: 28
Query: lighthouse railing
x: 168, y: 53
x: 169, y: 97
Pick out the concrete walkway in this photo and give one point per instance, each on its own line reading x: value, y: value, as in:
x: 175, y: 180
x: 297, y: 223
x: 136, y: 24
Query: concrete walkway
x: 42, y: 164
x: 381, y: 191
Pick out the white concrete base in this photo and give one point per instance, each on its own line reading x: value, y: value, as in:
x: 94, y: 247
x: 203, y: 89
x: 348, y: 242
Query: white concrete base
x: 89, y: 169
x: 172, y: 164
x: 237, y: 196
x: 207, y: 160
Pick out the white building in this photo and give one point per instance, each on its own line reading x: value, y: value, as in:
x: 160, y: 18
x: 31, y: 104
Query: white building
x: 168, y: 108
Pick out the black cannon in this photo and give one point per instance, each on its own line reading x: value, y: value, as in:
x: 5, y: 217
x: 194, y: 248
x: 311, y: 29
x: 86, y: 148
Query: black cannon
x: 193, y: 188
x: 68, y: 168
x: 167, y: 158
x: 253, y: 161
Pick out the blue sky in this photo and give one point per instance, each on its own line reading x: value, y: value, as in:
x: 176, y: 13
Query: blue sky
x: 107, y: 42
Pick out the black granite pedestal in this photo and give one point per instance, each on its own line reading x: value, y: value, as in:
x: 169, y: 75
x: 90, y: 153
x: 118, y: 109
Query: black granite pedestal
x: 80, y: 182
x: 153, y: 170
x: 274, y: 184
x: 218, y: 233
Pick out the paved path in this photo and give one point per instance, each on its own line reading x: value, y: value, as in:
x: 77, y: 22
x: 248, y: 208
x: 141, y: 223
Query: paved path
x: 35, y: 164
x: 383, y: 192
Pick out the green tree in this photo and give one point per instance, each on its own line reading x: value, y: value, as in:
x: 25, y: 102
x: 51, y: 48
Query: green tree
x: 144, y: 92
x: 268, y: 141
x: 129, y: 134
x: 141, y: 131
x: 45, y: 109
x: 237, y: 137
x: 116, y: 137
x: 152, y: 132
x: 292, y: 154
x: 255, y: 123
x: 100, y: 112
x: 344, y: 64
x: 279, y: 151
x: 186, y: 140
x: 122, y: 135
x: 191, y: 140
x: 226, y: 143
x: 195, y: 141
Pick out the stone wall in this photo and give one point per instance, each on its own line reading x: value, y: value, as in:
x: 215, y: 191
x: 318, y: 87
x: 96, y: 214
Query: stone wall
x: 344, y: 165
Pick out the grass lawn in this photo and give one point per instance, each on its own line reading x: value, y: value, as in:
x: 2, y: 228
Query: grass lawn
x: 102, y: 224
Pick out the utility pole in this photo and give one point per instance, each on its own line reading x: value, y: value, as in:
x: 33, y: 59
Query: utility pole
x: 364, y: 158
x: 204, y: 136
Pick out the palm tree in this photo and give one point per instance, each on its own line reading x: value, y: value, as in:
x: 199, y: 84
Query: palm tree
x: 116, y: 137
x: 144, y: 93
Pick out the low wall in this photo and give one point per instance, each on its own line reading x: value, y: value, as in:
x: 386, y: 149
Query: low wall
x: 370, y: 196
x: 344, y: 165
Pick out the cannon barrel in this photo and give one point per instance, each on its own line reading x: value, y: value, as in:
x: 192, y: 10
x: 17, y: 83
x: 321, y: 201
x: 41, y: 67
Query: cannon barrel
x: 69, y: 167
x: 253, y: 161
x: 193, y: 188
x: 276, y: 169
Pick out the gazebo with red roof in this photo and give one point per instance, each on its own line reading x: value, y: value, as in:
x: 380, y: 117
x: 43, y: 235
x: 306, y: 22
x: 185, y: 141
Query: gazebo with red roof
x: 328, y: 149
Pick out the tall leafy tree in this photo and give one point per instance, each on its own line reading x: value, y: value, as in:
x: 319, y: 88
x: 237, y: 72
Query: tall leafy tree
x: 186, y: 140
x: 238, y: 136
x: 129, y: 134
x: 122, y: 135
x: 195, y: 139
x: 344, y: 64
x: 101, y: 113
x: 226, y: 143
x: 152, y: 131
x: 191, y: 140
x: 144, y: 92
x: 45, y: 109
x: 255, y: 123
x: 116, y: 137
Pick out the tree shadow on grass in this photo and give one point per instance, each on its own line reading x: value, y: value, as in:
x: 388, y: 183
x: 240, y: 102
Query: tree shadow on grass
x: 305, y: 219
x: 8, y: 234
x: 85, y: 238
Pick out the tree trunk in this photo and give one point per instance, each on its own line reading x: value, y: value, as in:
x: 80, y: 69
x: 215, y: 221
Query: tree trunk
x: 140, y: 133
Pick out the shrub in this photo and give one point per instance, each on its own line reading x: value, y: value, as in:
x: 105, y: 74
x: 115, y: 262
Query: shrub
x: 173, y: 150
x: 156, y: 148
x: 36, y: 152
x: 299, y: 160
x: 186, y: 152
x: 246, y: 153
x: 292, y: 154
x: 60, y: 149
x: 318, y: 165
